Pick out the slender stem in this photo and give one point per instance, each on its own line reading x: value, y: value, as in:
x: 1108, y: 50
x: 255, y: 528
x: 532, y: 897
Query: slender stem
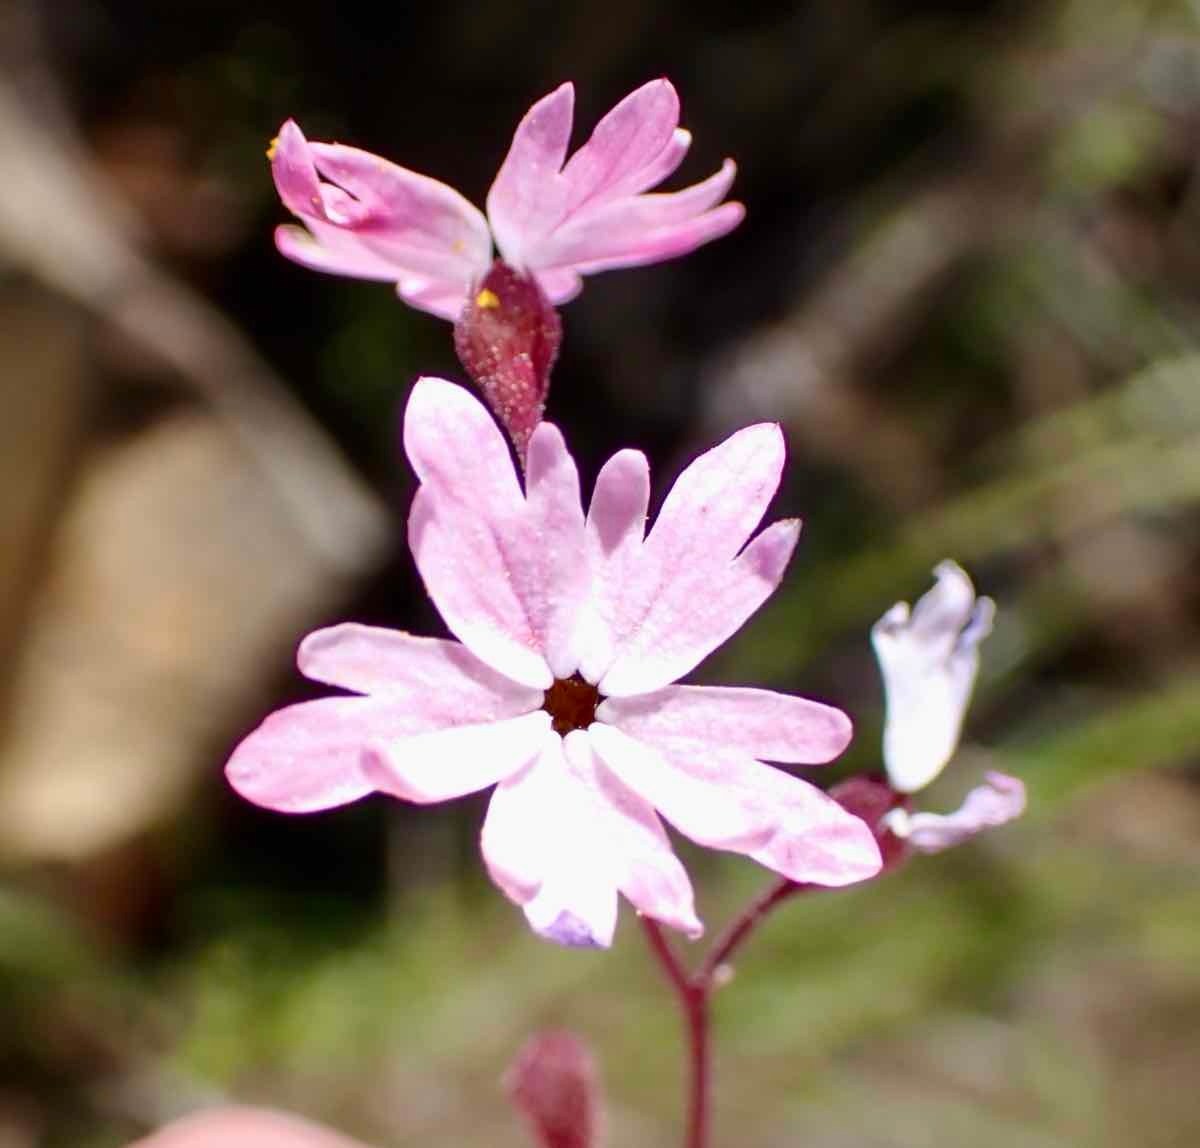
x: 694, y: 992
x: 740, y: 928
x: 693, y: 1000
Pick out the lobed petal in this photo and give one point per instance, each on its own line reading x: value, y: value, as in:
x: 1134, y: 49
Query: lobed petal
x: 528, y: 195
x: 446, y: 763
x: 590, y: 215
x: 324, y: 247
x: 541, y: 848
x: 685, y: 593
x: 439, y: 679
x: 929, y: 659
x: 726, y: 800
x: 762, y: 724
x: 564, y: 835
x: 308, y: 757
x: 508, y: 573
x: 412, y: 221
x: 616, y: 526
x: 697, y: 607
x: 625, y: 154
x: 378, y: 221
x: 1001, y: 800
x: 644, y: 229
x: 632, y: 841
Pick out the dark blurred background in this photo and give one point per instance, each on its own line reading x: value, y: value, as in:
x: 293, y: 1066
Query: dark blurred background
x: 968, y: 286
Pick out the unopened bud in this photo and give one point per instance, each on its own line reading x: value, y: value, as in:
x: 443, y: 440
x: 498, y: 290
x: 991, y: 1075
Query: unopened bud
x: 507, y: 339
x: 870, y: 797
x: 554, y: 1084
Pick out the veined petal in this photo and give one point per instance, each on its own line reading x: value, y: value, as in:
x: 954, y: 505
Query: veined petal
x: 411, y: 220
x: 632, y: 840
x: 727, y: 800
x: 557, y: 539
x: 463, y: 560
x: 528, y: 195
x: 759, y: 723
x: 685, y: 594
x: 929, y: 660
x: 378, y: 221
x: 456, y: 448
x: 540, y: 846
x: 295, y: 172
x: 508, y: 573
x: 308, y: 757
x: 633, y: 230
x: 624, y: 154
x: 439, y: 678
x: 446, y: 763
x: 591, y: 214
x: 697, y: 608
x: 324, y: 247
x: 616, y: 526
x: 1001, y: 800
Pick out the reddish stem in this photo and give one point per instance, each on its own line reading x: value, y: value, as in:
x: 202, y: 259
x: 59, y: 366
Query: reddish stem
x: 694, y: 992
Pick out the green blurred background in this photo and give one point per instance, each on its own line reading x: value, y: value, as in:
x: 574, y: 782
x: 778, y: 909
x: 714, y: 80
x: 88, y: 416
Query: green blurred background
x: 968, y: 286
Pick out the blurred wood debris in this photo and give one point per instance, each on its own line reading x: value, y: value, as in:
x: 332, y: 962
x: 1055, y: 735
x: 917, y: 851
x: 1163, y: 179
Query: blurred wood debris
x: 146, y: 576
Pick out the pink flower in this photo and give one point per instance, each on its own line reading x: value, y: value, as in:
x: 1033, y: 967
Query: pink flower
x: 559, y: 692
x: 555, y: 218
x: 929, y: 659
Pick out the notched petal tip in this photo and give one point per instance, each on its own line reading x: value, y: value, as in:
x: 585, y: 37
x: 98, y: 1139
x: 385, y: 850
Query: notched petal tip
x: 571, y: 932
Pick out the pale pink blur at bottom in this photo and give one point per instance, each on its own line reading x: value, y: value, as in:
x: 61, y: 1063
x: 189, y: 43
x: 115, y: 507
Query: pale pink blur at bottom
x: 245, y: 1128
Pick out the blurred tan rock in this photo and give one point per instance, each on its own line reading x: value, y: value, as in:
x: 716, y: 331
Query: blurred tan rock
x: 173, y: 585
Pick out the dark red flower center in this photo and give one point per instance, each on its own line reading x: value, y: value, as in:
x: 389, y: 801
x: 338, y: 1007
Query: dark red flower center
x: 571, y: 703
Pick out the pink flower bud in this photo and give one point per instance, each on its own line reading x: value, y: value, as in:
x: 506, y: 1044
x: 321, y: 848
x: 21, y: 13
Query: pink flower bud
x: 507, y: 338
x: 554, y: 1084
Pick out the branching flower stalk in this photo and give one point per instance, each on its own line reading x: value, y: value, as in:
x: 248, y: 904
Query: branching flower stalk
x: 559, y: 691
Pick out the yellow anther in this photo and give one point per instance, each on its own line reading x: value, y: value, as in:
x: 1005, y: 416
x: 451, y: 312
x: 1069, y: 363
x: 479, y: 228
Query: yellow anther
x: 271, y: 147
x: 487, y: 299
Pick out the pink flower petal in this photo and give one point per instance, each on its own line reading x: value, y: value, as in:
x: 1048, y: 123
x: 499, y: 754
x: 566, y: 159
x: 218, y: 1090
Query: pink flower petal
x: 438, y: 679
x: 541, y: 848
x: 444, y: 300
x: 436, y: 766
x: 561, y: 285
x: 380, y: 221
x: 562, y: 836
x: 336, y: 252
x: 481, y: 547
x: 727, y: 800
x: 689, y: 588
x: 999, y: 801
x: 616, y: 525
x: 646, y: 228
x: 760, y: 723
x: 236, y: 1127
x: 415, y: 222
x: 631, y: 838
x: 295, y: 173
x: 528, y: 195
x: 696, y: 610
x: 625, y: 153
x: 308, y: 756
x: 590, y: 215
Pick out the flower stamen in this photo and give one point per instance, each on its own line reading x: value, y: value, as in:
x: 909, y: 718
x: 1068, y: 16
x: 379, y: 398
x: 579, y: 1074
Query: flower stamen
x: 571, y: 703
